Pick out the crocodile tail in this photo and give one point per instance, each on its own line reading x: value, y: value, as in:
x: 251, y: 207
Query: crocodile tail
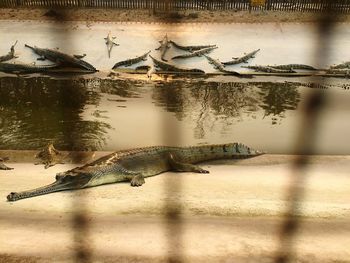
x: 118, y: 64
x: 87, y: 65
x: 33, y: 48
x: 218, y: 151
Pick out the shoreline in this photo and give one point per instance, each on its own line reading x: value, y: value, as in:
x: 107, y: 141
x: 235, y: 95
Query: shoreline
x: 148, y: 16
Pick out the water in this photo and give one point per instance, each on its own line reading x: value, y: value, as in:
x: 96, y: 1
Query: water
x: 106, y: 114
x: 279, y: 43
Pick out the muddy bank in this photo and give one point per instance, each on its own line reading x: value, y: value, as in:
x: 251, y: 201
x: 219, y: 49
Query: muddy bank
x: 251, y: 187
x: 189, y: 16
x: 233, y: 214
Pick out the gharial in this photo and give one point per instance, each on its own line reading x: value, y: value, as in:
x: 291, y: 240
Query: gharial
x: 131, y: 61
x: 9, y: 55
x: 164, y: 46
x: 110, y: 43
x: 172, y: 68
x: 19, y: 68
x: 2, y: 165
x: 61, y: 58
x: 49, y: 156
x: 136, y: 164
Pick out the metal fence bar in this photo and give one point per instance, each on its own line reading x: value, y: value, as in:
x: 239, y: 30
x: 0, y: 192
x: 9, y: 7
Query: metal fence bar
x: 305, y: 142
x: 342, y: 6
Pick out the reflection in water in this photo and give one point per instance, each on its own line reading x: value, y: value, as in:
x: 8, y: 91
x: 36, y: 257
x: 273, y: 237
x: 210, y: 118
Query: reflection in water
x: 38, y: 110
x: 209, y: 102
x: 276, y: 99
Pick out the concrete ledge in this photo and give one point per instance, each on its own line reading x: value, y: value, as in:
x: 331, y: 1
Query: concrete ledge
x: 233, y: 214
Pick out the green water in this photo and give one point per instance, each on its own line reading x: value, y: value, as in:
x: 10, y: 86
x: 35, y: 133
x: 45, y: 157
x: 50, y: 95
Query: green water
x: 105, y: 114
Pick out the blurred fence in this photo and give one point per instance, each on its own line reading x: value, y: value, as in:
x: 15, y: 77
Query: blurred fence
x: 273, y: 5
x: 305, y: 143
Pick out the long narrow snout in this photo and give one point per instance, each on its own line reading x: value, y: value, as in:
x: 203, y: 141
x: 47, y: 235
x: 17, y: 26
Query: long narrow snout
x: 62, y: 183
x: 54, y: 187
x: 31, y: 47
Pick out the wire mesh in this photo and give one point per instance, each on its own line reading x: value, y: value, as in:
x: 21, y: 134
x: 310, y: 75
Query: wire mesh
x: 304, y: 145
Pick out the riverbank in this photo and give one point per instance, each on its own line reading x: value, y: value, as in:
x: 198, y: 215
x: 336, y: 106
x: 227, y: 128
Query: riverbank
x: 233, y: 213
x: 148, y: 16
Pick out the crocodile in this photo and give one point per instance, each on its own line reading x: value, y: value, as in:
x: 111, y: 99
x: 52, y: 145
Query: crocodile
x: 149, y: 68
x: 131, y: 61
x: 49, y: 156
x: 61, y: 58
x: 2, y: 165
x: 293, y: 66
x: 190, y: 48
x: 9, y: 55
x: 196, y: 53
x: 110, y: 43
x: 218, y: 65
x: 341, y: 66
x: 269, y: 69
x: 150, y: 71
x: 243, y: 59
x: 17, y: 68
x: 164, y: 46
x: 169, y: 67
x: 135, y: 165
x: 340, y: 71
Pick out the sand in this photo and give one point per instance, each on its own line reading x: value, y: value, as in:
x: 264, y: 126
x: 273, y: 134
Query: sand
x: 232, y: 214
x: 148, y: 16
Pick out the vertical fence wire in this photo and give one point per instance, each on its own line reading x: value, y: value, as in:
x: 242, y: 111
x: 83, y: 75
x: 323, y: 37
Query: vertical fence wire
x: 82, y: 252
x: 172, y: 188
x: 274, y: 5
x: 305, y: 145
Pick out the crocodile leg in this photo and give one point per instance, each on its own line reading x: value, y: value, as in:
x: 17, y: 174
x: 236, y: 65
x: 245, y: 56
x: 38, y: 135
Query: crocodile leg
x: 4, y: 167
x: 136, y: 179
x: 48, y: 165
x: 185, y: 167
x: 79, y: 56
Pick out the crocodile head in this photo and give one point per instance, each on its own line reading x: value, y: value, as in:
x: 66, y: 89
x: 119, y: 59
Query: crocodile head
x: 64, y: 181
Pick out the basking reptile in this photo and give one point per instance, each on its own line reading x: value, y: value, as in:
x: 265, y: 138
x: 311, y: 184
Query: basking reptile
x: 2, y: 165
x: 342, y: 65
x: 190, y: 48
x: 197, y: 53
x: 9, y: 55
x: 61, y: 58
x: 243, y: 59
x: 164, y: 46
x: 49, y: 156
x: 172, y: 68
x: 218, y: 65
x: 150, y: 71
x: 340, y: 71
x: 131, y: 61
x: 25, y: 68
x: 135, y: 165
x: 269, y: 69
x: 110, y: 43
x: 293, y: 66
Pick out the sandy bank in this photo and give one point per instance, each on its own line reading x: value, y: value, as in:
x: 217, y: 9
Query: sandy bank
x: 230, y: 215
x: 189, y: 16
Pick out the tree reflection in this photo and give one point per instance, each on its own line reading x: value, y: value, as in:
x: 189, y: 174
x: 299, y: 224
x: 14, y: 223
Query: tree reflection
x: 38, y: 110
x: 276, y: 98
x: 171, y: 96
x: 208, y: 103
